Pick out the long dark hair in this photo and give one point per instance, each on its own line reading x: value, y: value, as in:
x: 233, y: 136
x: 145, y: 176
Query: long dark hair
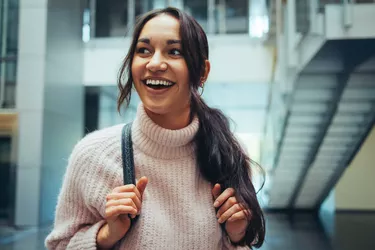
x: 220, y: 157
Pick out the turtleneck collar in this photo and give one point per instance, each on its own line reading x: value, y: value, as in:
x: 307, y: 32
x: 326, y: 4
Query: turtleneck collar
x: 159, y: 142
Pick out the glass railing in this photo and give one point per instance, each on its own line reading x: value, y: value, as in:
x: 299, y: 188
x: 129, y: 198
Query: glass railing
x: 303, y: 16
x: 115, y: 18
x: 9, y: 10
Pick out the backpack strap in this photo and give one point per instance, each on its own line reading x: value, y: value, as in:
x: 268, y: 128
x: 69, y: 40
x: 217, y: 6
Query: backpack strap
x: 127, y: 155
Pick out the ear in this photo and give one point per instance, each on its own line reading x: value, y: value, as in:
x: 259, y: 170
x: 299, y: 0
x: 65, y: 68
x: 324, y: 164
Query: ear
x: 207, y: 69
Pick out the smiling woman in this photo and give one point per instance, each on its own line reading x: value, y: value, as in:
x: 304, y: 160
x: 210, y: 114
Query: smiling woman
x: 194, y: 186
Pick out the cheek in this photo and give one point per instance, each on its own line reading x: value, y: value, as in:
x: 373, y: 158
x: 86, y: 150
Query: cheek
x: 136, y: 69
x: 184, y: 73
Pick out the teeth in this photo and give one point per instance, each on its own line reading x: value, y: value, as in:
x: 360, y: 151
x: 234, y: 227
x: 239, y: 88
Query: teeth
x: 158, y: 82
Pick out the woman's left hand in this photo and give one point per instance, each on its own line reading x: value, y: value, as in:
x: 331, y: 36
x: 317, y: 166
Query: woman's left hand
x: 230, y: 212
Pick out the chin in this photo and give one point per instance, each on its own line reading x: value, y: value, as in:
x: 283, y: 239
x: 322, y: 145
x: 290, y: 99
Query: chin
x: 156, y: 108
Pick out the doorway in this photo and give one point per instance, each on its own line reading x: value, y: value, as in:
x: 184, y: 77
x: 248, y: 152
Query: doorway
x: 8, y: 148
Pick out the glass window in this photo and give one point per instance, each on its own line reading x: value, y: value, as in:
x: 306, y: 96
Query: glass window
x: 198, y: 9
x: 8, y: 55
x: 232, y: 16
x: 142, y: 6
x: 111, y: 18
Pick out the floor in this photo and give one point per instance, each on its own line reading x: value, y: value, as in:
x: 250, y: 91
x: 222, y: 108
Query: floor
x: 284, y: 231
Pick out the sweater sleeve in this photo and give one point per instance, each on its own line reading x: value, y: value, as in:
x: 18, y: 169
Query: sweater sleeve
x: 77, y: 222
x: 228, y: 246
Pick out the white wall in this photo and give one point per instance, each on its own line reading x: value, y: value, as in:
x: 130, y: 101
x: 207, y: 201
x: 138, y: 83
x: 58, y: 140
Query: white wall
x: 234, y: 59
x: 355, y: 189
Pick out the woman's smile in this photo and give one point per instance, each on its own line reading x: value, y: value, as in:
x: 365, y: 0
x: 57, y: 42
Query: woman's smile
x: 157, y: 85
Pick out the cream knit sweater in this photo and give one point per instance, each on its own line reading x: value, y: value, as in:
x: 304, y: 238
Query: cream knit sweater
x: 177, y: 209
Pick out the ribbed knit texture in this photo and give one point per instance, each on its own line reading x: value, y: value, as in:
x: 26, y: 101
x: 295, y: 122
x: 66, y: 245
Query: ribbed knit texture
x: 177, y: 208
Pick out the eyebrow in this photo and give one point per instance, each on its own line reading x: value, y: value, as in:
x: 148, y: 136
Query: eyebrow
x: 144, y: 40
x: 169, y: 42
x: 172, y: 41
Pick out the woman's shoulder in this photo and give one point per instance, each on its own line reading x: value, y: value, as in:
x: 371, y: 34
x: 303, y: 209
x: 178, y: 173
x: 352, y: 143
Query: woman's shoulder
x: 98, y: 141
x: 103, y: 134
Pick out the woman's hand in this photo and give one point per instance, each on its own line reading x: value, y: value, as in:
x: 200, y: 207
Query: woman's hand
x: 231, y: 212
x: 122, y: 202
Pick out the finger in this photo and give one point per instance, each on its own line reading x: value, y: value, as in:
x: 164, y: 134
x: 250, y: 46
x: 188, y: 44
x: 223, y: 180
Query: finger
x: 241, y: 215
x: 223, y: 197
x: 227, y: 204
x: 122, y: 202
x: 229, y: 213
x: 216, y: 191
x: 121, y: 196
x: 127, y: 188
x: 115, y: 211
x: 141, y: 185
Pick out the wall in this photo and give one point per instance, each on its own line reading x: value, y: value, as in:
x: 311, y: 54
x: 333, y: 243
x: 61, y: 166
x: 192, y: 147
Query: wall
x: 355, y: 190
x: 234, y: 59
x: 49, y: 102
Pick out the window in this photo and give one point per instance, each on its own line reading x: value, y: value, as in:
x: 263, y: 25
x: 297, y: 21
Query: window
x: 232, y: 16
x: 198, y: 9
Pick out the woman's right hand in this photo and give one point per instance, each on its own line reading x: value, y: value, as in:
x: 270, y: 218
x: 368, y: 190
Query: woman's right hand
x: 122, y: 202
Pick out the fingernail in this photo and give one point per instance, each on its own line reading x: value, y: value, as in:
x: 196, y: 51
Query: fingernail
x: 216, y: 204
x: 220, y: 220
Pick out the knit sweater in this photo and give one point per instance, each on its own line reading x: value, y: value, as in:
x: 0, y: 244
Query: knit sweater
x: 177, y: 207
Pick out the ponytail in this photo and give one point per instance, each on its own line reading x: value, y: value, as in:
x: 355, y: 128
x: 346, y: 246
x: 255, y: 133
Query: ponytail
x: 221, y: 159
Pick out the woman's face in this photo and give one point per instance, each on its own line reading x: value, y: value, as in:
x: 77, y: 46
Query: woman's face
x: 159, y: 70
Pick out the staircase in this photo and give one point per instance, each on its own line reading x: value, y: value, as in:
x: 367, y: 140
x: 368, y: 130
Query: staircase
x: 329, y: 114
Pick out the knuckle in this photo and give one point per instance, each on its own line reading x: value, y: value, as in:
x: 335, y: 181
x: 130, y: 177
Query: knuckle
x: 232, y: 200
x: 108, y: 204
x: 108, y: 212
x: 133, y: 196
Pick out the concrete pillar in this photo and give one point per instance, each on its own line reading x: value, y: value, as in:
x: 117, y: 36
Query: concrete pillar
x: 49, y: 101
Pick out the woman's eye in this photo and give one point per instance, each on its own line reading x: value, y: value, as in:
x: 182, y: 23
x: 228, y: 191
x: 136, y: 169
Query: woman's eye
x: 175, y: 52
x: 143, y: 51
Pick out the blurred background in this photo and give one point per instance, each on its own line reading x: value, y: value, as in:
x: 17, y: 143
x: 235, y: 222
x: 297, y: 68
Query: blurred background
x: 297, y: 78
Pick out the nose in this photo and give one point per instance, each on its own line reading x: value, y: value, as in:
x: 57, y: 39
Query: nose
x: 156, y: 63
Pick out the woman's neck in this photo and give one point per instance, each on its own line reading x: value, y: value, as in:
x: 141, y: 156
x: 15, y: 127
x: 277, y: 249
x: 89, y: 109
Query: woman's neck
x: 172, y: 120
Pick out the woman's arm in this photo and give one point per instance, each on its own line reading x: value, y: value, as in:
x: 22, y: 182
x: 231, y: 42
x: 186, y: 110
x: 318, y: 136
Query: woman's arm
x: 76, y: 224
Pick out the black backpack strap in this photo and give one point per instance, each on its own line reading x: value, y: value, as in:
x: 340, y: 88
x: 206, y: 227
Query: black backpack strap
x: 127, y: 155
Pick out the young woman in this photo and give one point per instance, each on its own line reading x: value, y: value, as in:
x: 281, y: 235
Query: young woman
x: 194, y: 188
